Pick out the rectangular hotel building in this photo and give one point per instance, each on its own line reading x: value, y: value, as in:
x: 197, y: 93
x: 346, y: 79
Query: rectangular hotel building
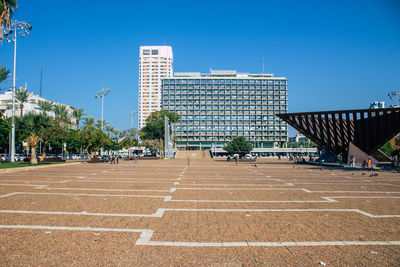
x: 215, y: 108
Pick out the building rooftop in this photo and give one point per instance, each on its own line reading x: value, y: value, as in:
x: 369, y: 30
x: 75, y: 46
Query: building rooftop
x: 223, y: 74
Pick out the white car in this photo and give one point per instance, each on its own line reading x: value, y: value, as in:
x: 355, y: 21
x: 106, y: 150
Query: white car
x: 248, y: 156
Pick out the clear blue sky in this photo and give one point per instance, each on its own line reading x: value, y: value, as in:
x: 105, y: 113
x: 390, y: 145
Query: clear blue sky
x: 335, y: 54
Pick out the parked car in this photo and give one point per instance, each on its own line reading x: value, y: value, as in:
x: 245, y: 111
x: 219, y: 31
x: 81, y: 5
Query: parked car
x: 5, y: 158
x: 249, y: 156
x: 21, y: 157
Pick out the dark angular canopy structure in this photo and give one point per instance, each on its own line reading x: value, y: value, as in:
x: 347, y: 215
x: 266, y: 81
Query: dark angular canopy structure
x: 368, y: 129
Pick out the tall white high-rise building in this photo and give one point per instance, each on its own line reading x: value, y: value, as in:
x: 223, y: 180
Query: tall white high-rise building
x: 155, y: 62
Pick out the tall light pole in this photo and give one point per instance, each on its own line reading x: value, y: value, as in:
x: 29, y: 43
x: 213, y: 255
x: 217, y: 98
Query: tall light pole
x: 394, y: 95
x: 101, y: 94
x: 131, y: 115
x: 16, y: 28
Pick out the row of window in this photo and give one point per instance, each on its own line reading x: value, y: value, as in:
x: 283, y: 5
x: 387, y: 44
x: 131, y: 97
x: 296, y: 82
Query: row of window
x: 225, y: 102
x: 217, y: 89
x: 228, y: 112
x: 229, y: 138
x: 229, y: 117
x: 224, y: 81
x: 220, y: 128
x: 198, y: 108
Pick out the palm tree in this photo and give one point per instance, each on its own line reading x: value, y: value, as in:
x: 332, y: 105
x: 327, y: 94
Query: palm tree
x: 33, y: 141
x: 77, y: 114
x: 89, y: 121
x: 22, y: 96
x: 117, y: 134
x: 98, y: 124
x: 7, y: 8
x: 4, y: 74
x: 60, y: 112
x: 45, y: 106
x: 109, y: 129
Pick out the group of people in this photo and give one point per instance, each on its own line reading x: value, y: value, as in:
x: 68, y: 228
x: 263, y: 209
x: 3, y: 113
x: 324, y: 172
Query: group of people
x: 114, y: 158
x: 365, y: 164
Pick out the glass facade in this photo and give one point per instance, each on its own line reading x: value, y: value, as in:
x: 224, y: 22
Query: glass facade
x: 215, y: 109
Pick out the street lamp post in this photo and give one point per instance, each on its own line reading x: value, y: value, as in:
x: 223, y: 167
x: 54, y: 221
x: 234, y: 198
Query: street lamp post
x: 394, y: 95
x: 101, y: 94
x: 16, y: 28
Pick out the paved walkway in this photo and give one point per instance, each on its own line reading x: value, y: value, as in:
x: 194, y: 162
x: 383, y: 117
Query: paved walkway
x: 211, y: 212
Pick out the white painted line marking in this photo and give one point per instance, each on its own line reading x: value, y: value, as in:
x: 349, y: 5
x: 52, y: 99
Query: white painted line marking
x: 271, y: 244
x: 42, y: 227
x: 159, y: 213
x: 103, y: 189
x: 9, y: 195
x: 88, y: 195
x: 32, y: 185
x: 146, y: 235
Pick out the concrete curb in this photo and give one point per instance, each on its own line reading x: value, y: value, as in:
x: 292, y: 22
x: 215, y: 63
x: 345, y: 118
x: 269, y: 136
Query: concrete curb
x: 20, y: 169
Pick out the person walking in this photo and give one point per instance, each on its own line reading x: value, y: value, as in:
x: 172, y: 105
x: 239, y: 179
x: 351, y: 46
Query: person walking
x: 352, y: 161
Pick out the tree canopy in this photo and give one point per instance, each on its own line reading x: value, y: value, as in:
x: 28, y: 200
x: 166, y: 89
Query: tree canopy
x: 154, y: 128
x: 238, y: 145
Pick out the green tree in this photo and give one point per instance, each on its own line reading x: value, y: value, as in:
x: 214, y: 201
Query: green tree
x: 153, y: 146
x: 89, y: 121
x: 4, y: 73
x: 77, y: 114
x: 45, y: 106
x: 98, y: 124
x: 238, y: 145
x: 33, y: 140
x: 7, y: 8
x: 154, y: 128
x: 93, y: 139
x: 5, y: 128
x: 60, y: 112
x: 31, y: 127
x: 109, y: 129
x: 128, y: 142
x: 387, y: 148
x: 22, y: 96
x: 52, y: 134
x: 73, y: 140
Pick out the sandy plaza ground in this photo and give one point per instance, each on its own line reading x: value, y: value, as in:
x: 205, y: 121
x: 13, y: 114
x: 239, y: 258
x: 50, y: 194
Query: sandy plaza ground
x: 200, y: 212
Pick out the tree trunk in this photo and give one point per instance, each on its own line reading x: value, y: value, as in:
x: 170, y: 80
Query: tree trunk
x: 33, y: 155
x: 44, y: 151
x: 22, y: 109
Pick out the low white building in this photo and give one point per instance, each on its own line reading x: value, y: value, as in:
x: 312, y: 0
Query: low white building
x: 29, y: 107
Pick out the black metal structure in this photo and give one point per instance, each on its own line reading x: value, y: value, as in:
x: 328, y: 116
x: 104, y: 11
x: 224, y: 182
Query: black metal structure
x: 368, y: 129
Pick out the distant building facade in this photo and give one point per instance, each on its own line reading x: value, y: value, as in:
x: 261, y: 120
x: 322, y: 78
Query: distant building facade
x: 299, y: 138
x: 155, y: 62
x: 29, y: 107
x: 376, y: 104
x: 217, y: 107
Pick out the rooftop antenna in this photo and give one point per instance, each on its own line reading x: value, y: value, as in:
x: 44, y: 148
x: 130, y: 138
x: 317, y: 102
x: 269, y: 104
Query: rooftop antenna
x: 41, y: 80
x: 263, y: 65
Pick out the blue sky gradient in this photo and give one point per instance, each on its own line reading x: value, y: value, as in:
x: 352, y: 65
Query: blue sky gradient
x: 335, y: 54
